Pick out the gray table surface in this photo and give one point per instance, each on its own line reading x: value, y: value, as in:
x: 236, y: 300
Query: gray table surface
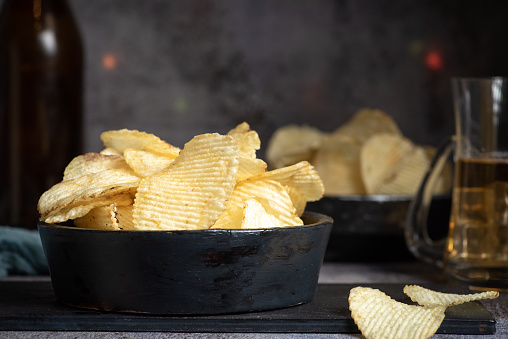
x: 356, y: 273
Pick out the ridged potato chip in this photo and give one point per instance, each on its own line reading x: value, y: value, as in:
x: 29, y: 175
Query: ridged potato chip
x: 427, y: 297
x: 255, y: 216
x: 380, y: 158
x: 302, y: 176
x: 297, y: 198
x: 146, y: 163
x: 249, y: 167
x: 366, y: 123
x: 194, y: 191
x: 337, y: 156
x: 112, y: 218
x: 272, y: 196
x: 231, y: 218
x: 379, y: 316
x: 110, y: 151
x: 89, y: 163
x: 338, y: 165
x: 248, y: 140
x: 407, y: 174
x: 292, y: 144
x: 100, y: 218
x: 74, y: 198
x: 140, y: 182
x: 119, y: 140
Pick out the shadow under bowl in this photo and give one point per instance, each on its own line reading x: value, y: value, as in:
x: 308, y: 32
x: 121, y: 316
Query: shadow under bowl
x: 186, y: 272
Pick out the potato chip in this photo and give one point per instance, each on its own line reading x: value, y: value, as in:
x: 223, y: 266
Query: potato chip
x: 100, y: 218
x: 119, y: 140
x: 231, y: 218
x: 194, y: 191
x: 366, y: 123
x: 110, y: 151
x: 215, y: 181
x: 297, y: 198
x: 302, y: 176
x: 380, y: 159
x: 112, y: 217
x: 407, y: 174
x: 427, y: 297
x: 146, y: 163
x: 248, y: 140
x: 90, y: 163
x: 379, y: 316
x: 292, y: 144
x: 272, y: 196
x: 255, y: 216
x: 338, y: 165
x: 74, y: 198
x: 248, y: 167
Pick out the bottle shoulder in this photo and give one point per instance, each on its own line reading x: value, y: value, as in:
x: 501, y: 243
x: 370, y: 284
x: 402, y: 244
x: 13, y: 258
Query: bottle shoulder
x: 49, y: 33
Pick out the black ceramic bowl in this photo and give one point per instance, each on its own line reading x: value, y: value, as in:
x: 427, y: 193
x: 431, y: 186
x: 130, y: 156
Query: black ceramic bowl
x: 186, y: 272
x: 371, y: 228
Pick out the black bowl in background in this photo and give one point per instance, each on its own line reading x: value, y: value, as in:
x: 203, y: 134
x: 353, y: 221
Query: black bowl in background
x: 186, y: 272
x: 371, y: 228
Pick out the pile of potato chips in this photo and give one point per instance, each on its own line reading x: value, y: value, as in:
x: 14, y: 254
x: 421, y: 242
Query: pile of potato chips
x: 140, y: 182
x: 379, y: 316
x: 366, y: 155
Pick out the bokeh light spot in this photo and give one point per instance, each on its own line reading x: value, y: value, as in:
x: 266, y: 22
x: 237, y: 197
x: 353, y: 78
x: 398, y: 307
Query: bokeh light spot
x: 109, y: 61
x: 434, y: 61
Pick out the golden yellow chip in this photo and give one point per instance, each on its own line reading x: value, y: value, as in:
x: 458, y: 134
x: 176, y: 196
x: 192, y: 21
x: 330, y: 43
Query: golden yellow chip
x: 146, y: 163
x: 407, y: 174
x: 292, y: 144
x: 338, y: 164
x: 427, y: 297
x: 248, y: 140
x: 379, y: 316
x: 194, y: 191
x: 119, y: 140
x: 99, y: 218
x: 249, y: 167
x: 380, y: 159
x: 272, y: 196
x: 89, y: 163
x: 367, y: 123
x: 215, y: 181
x: 302, y: 176
x: 255, y: 216
x: 110, y: 151
x: 231, y: 218
x: 112, y: 217
x: 74, y: 198
x: 297, y: 198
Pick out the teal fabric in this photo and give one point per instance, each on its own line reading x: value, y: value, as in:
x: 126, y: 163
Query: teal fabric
x: 21, y: 252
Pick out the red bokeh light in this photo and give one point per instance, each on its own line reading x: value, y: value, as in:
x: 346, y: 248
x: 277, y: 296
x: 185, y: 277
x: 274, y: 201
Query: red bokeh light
x: 109, y: 61
x: 434, y: 61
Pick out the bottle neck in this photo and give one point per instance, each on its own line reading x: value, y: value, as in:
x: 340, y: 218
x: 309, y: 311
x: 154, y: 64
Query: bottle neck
x: 40, y: 12
x: 40, y: 32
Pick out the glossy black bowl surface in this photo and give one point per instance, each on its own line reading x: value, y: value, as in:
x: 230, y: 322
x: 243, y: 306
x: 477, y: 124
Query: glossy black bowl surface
x: 371, y: 228
x: 186, y: 272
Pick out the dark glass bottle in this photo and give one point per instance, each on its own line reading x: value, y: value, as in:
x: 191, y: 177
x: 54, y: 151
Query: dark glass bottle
x: 41, y: 91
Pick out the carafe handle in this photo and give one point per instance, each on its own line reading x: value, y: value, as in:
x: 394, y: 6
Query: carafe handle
x: 418, y: 241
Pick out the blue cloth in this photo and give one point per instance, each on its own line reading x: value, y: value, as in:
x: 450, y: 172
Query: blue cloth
x: 21, y: 252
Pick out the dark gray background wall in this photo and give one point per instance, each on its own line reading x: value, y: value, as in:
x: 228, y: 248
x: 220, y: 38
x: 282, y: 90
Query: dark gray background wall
x: 193, y: 66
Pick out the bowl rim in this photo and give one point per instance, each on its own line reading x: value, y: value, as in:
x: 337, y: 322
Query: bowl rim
x: 322, y: 220
x: 376, y: 197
